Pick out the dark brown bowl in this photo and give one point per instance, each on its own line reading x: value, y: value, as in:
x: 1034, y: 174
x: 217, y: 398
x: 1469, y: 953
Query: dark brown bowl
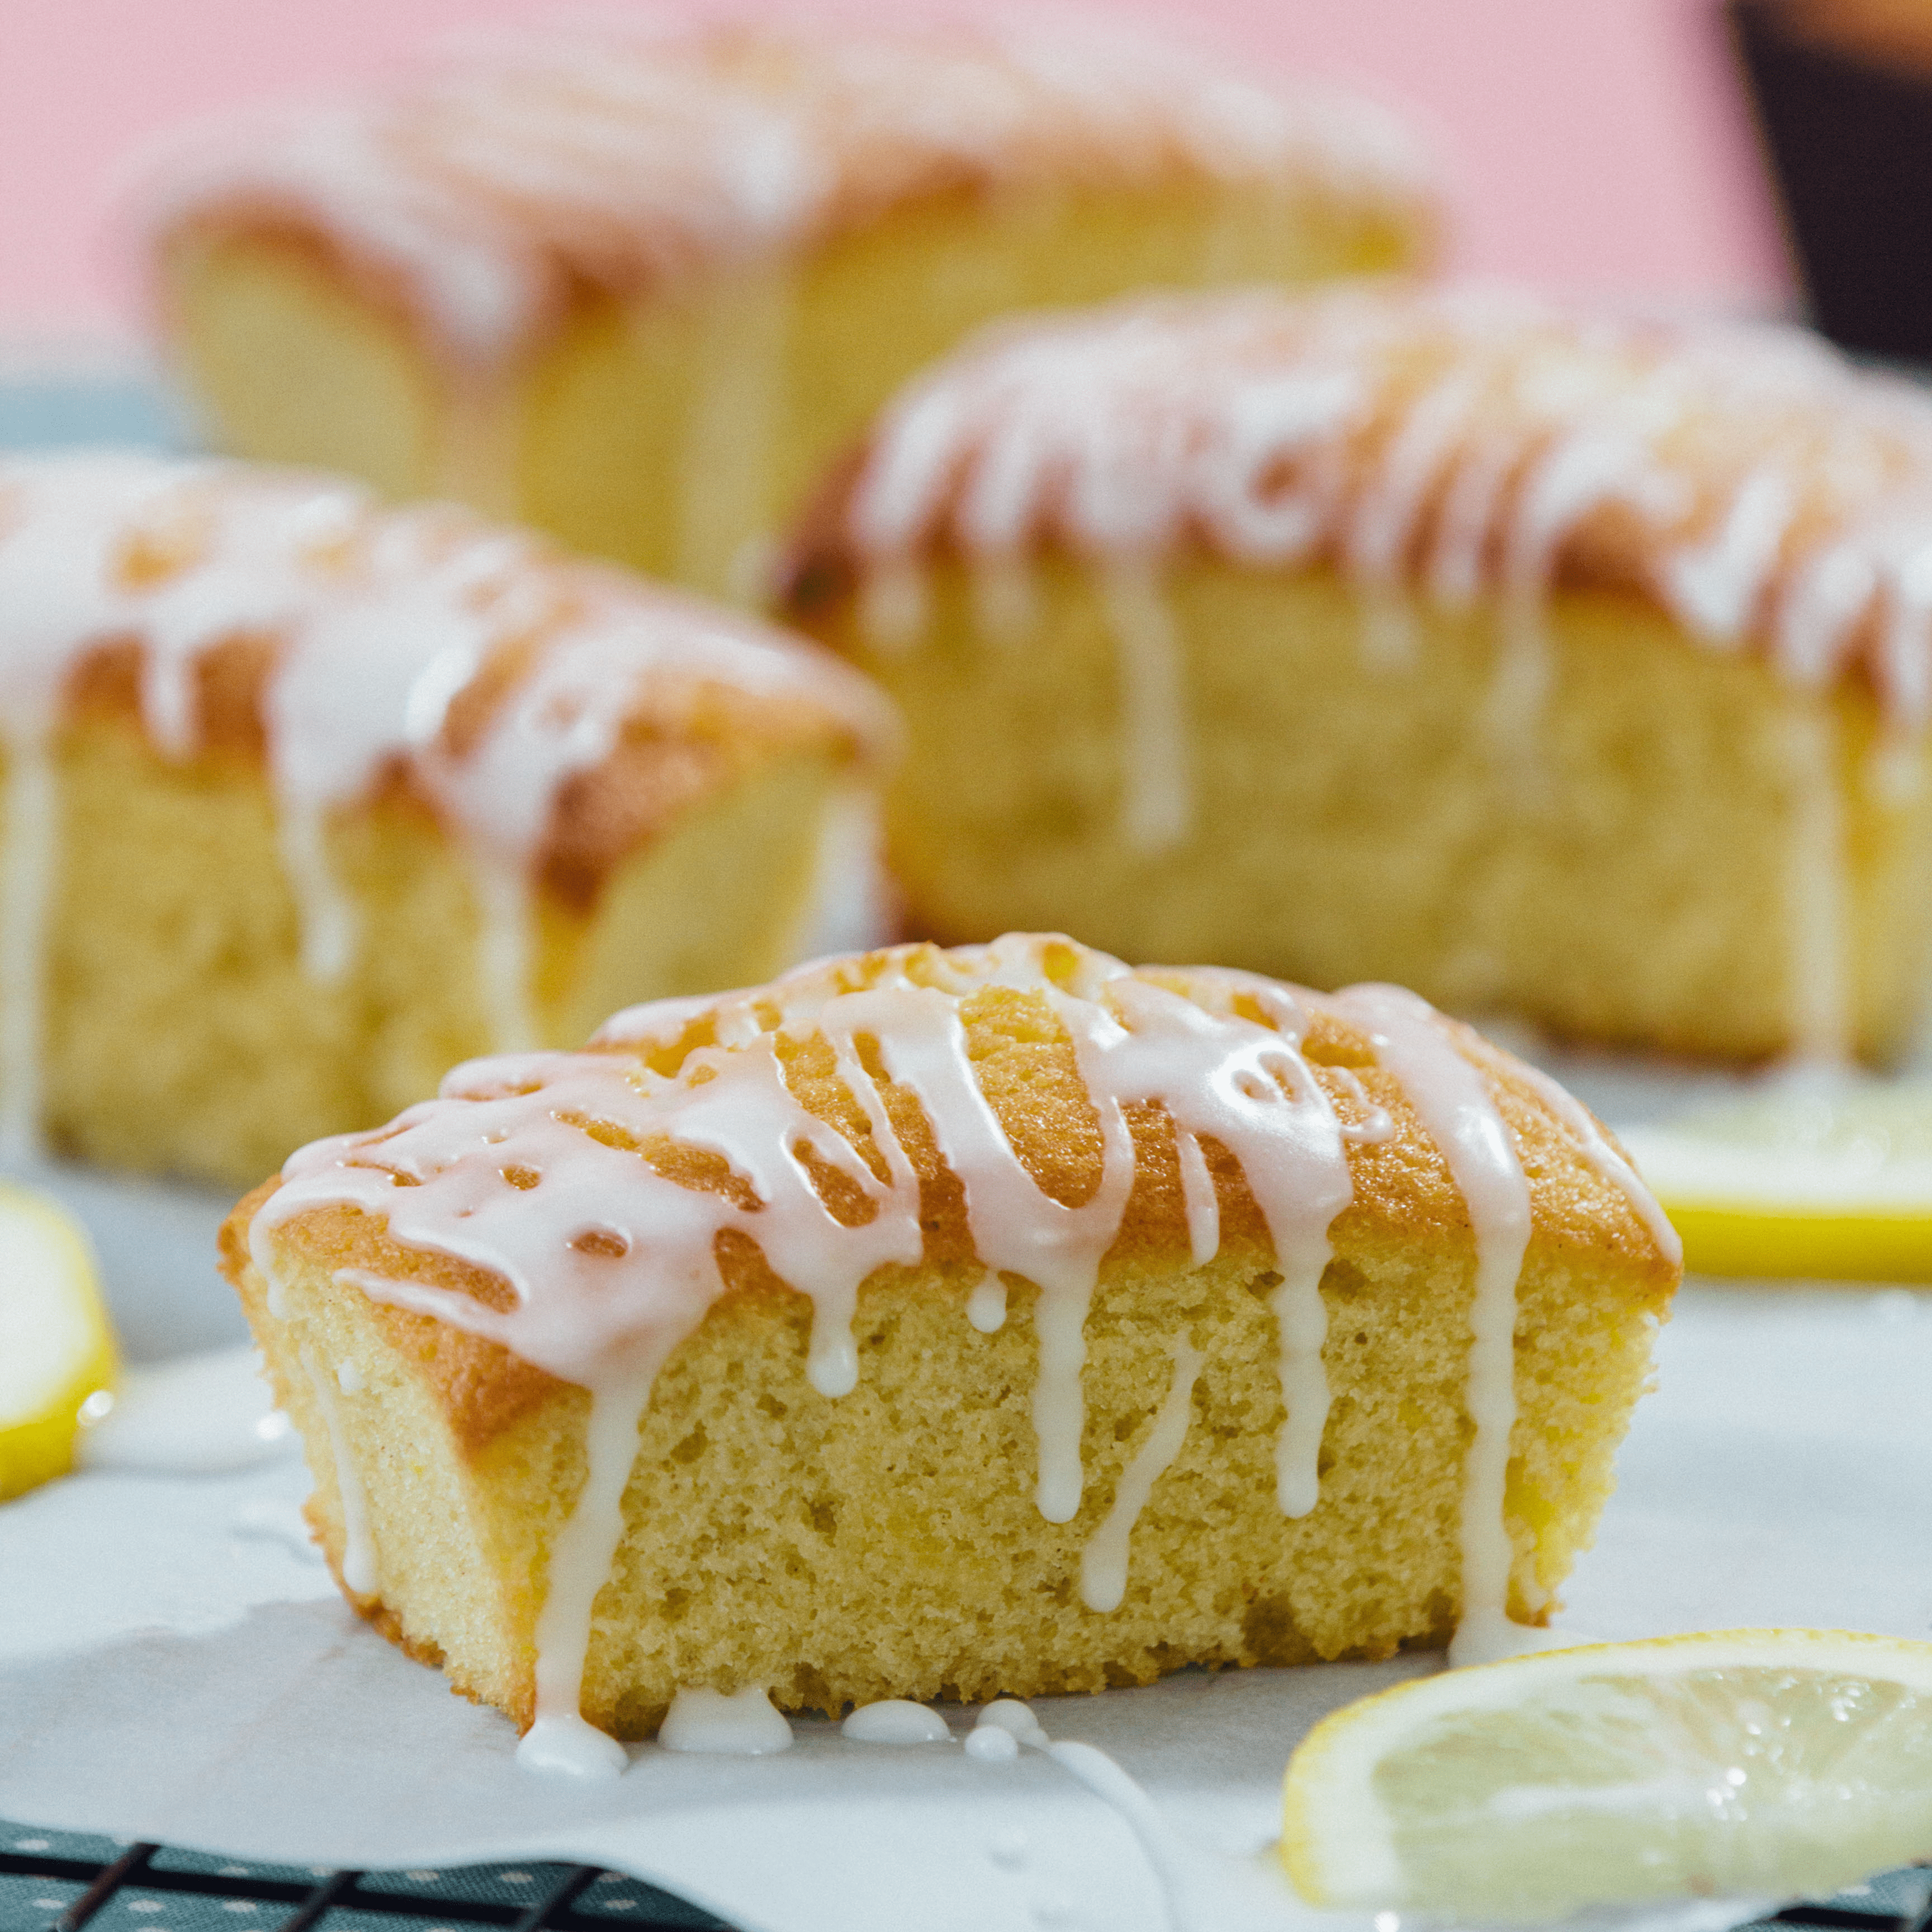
x: 1849, y: 136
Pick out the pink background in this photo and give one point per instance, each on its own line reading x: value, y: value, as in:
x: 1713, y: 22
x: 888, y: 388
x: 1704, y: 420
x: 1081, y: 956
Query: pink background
x: 1592, y: 145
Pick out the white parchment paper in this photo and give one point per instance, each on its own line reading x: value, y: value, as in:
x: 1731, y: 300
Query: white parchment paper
x: 174, y: 1664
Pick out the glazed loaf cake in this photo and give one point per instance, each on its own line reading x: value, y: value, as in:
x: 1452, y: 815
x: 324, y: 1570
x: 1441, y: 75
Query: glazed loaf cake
x: 1546, y: 663
x: 932, y: 1324
x: 304, y: 800
x: 634, y: 283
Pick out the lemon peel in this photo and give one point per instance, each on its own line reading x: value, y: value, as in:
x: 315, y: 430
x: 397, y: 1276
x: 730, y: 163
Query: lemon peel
x: 56, y: 1347
x: 1824, y: 1181
x: 1738, y: 1764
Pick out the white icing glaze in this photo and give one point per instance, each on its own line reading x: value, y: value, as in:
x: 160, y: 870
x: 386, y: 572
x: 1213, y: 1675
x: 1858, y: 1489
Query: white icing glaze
x: 1817, y: 890
x: 1296, y: 1167
x: 1497, y: 1640
x: 610, y: 1262
x: 201, y: 1415
x: 991, y: 1745
x: 634, y: 155
x: 378, y: 623
x: 739, y: 1724
x: 559, y: 1740
x: 1457, y: 443
x: 1130, y: 1802
x: 895, y: 1720
x: 1156, y: 804
x: 1004, y: 1726
x: 1453, y: 1099
x: 1103, y: 1562
x: 1018, y: 1720
x: 360, y: 1571
x: 986, y: 1306
x: 1199, y: 1197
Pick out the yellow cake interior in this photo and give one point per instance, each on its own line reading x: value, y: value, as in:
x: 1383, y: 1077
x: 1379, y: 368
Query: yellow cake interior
x: 1636, y: 856
x: 183, y: 1034
x: 677, y: 432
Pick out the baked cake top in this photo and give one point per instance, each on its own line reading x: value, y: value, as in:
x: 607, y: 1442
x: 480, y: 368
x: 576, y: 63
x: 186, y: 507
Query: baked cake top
x: 1027, y: 1108
x: 551, y: 713
x: 627, y: 155
x: 1460, y: 443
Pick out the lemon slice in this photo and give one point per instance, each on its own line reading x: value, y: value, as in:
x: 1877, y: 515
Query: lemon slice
x: 56, y: 1350
x: 1739, y: 1764
x: 1828, y: 1180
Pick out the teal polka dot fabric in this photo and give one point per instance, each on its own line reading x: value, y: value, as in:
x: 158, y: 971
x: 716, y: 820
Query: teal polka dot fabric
x: 62, y: 1881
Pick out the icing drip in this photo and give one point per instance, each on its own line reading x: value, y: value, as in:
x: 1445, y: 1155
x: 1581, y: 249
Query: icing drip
x: 989, y: 1745
x: 360, y: 1574
x: 1266, y: 1107
x: 1092, y: 1767
x: 1818, y: 895
x: 1453, y: 1101
x: 894, y: 1720
x: 737, y: 1724
x: 1301, y: 1328
x: 1004, y: 1726
x: 378, y: 623
x: 1461, y: 444
x: 559, y: 1740
x: 1103, y: 1563
x: 986, y: 1306
x: 1156, y: 804
x: 1199, y: 1197
x: 641, y: 155
x: 28, y: 860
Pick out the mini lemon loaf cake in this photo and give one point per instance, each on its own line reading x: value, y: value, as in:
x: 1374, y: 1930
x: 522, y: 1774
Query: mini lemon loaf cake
x: 1549, y: 664
x: 301, y: 800
x: 634, y: 283
x: 933, y: 1325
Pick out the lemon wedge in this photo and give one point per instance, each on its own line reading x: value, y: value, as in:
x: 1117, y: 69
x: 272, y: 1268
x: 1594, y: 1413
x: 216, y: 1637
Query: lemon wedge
x: 1824, y: 1180
x: 1738, y: 1764
x: 56, y: 1350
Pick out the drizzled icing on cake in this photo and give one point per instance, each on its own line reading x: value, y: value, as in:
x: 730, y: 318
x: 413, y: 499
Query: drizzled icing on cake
x: 1453, y: 444
x: 552, y: 1172
x: 1445, y: 447
x: 629, y: 154
x: 378, y: 623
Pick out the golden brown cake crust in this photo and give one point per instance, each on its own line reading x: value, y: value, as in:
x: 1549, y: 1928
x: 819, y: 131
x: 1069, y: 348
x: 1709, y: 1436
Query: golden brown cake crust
x: 1403, y: 1188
